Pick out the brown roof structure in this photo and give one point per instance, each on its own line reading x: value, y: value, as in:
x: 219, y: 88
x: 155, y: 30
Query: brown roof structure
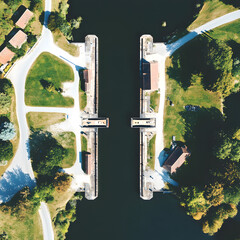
x: 6, y: 55
x: 88, y: 163
x: 18, y: 39
x: 87, y: 77
x: 150, y: 75
x: 176, y: 159
x: 24, y: 19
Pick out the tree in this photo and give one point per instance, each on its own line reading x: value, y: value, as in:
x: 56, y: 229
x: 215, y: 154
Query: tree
x: 7, y: 131
x: 62, y: 182
x: 13, y: 2
x: 50, y: 87
x: 55, y: 21
x: 75, y: 23
x: 214, y: 193
x: 6, y: 86
x: 6, y: 151
x: 235, y: 152
x: 236, y: 134
x: 224, y: 148
x: 219, y: 67
x: 5, y: 103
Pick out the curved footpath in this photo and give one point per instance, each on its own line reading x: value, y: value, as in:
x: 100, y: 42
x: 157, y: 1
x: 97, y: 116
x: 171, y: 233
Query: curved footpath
x: 166, y: 50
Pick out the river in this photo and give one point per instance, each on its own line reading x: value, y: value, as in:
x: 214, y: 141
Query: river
x: 119, y: 213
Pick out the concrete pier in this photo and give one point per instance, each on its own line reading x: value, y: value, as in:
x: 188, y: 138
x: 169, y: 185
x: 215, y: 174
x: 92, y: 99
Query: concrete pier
x: 90, y: 120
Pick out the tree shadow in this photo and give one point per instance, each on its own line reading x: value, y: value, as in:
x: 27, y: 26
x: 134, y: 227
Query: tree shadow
x: 231, y: 110
x: 201, y: 132
x: 188, y: 60
x: 13, y: 181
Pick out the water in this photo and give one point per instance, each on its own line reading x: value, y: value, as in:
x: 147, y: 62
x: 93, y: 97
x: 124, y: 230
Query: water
x: 119, y: 213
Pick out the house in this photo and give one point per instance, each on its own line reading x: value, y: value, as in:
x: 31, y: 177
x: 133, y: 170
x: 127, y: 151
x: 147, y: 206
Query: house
x: 24, y: 18
x: 176, y: 159
x: 6, y: 55
x: 150, y: 75
x: 18, y: 39
x: 88, y: 163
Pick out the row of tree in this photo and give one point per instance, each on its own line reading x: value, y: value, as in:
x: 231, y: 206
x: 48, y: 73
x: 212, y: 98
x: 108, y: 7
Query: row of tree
x: 58, y: 21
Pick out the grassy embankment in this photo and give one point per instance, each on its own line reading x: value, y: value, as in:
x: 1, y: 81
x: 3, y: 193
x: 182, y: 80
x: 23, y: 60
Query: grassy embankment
x: 154, y: 100
x: 48, y: 69
x: 151, y: 152
x: 28, y: 228
x: 42, y: 121
x: 211, y: 9
x: 174, y: 121
x: 60, y: 39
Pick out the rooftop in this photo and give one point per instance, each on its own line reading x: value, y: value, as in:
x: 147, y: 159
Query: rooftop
x: 24, y: 19
x: 6, y: 55
x: 18, y: 39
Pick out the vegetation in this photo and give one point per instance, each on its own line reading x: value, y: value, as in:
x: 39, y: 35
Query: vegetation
x: 82, y: 93
x: 84, y: 144
x: 154, y: 100
x: 48, y: 68
x: 7, y: 131
x: 151, y: 152
x: 64, y: 217
x: 42, y: 120
x: 211, y: 9
x: 8, y: 124
x: 209, y: 187
x: 62, y: 28
x: 68, y: 141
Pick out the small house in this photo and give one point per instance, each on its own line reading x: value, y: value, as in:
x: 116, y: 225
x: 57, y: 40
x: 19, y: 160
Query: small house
x: 150, y: 75
x: 25, y: 17
x: 6, y: 55
x: 18, y: 39
x: 176, y: 158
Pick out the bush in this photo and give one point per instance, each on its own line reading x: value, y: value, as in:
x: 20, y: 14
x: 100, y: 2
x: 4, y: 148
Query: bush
x: 6, y: 151
x: 5, y: 103
x: 7, y: 131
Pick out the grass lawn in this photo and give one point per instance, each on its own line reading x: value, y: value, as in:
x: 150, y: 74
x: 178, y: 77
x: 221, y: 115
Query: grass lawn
x: 82, y: 96
x: 68, y: 141
x: 195, y: 95
x: 211, y: 9
x: 227, y: 32
x: 48, y: 68
x: 151, y: 152
x: 154, y: 100
x: 84, y: 144
x: 42, y: 120
x: 62, y: 42
x: 29, y: 228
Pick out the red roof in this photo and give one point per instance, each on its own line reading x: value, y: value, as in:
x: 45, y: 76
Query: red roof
x: 18, y: 39
x: 88, y: 163
x: 176, y: 159
x: 6, y: 55
x: 24, y: 19
x: 150, y: 75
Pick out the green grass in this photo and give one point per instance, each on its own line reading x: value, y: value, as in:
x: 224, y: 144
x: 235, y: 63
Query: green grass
x: 84, y: 144
x: 49, y: 68
x: 195, y: 95
x: 68, y: 141
x: 28, y: 228
x: 227, y: 32
x: 151, y: 152
x: 154, y: 100
x: 211, y: 9
x: 42, y: 120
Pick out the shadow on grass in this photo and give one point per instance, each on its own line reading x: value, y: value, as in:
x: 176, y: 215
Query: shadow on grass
x: 13, y: 181
x: 231, y: 110
x: 201, y: 131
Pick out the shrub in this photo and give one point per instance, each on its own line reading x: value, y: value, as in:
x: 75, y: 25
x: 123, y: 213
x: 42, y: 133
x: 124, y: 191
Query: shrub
x: 6, y: 151
x: 5, y: 103
x: 7, y: 131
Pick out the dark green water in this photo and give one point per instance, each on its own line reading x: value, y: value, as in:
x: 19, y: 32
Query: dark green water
x: 119, y: 213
